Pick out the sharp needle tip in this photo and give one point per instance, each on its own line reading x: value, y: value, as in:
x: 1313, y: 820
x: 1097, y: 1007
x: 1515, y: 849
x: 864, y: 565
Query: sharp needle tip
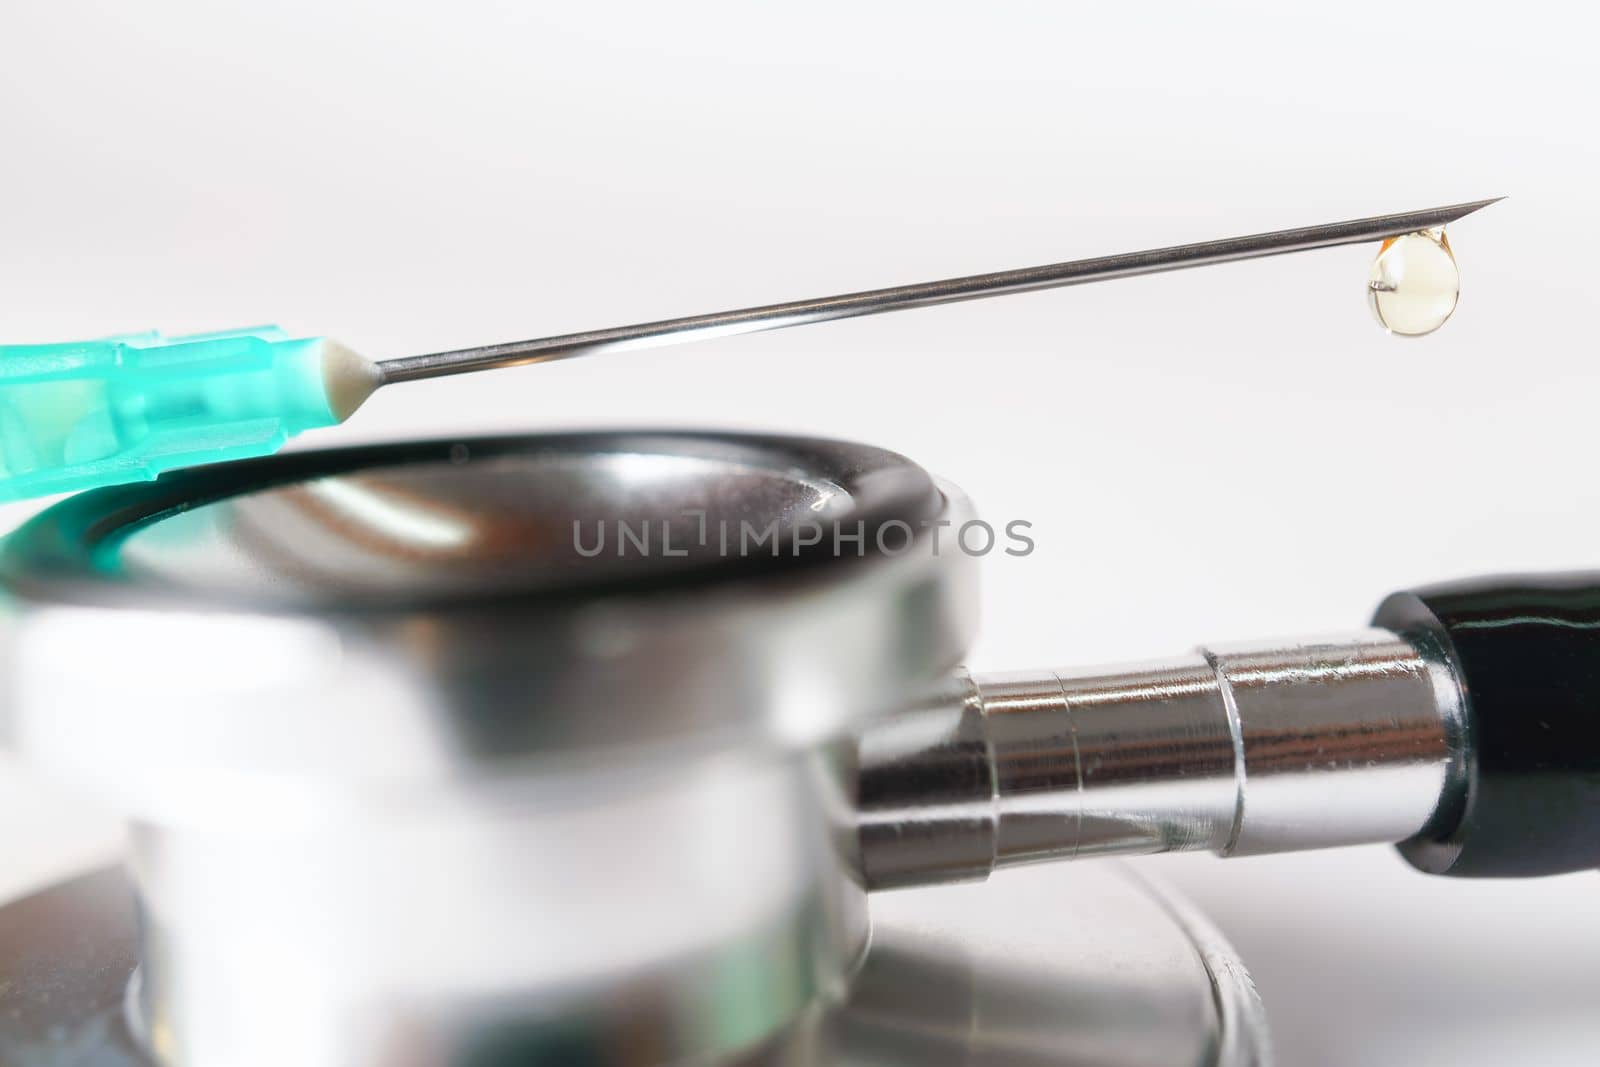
x: 1463, y: 210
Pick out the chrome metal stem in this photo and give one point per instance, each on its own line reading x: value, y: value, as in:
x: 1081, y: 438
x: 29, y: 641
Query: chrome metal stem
x: 1236, y: 748
x: 922, y: 294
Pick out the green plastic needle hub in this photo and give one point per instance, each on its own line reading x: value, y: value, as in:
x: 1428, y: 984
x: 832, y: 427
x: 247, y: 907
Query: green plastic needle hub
x: 81, y: 415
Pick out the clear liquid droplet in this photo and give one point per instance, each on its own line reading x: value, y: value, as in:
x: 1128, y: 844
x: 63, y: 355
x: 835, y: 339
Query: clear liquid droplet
x: 1414, y: 283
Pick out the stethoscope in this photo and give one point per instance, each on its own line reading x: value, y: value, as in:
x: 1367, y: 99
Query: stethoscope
x: 412, y: 773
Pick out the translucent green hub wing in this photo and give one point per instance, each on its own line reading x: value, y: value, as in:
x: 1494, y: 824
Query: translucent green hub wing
x: 80, y: 415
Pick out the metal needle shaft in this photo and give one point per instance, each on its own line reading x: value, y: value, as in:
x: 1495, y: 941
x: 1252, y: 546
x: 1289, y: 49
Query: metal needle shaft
x: 924, y: 294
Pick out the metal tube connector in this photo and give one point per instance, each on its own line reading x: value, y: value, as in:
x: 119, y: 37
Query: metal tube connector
x: 1239, y: 749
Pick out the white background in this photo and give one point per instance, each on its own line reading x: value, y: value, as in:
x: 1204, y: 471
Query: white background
x: 1231, y: 452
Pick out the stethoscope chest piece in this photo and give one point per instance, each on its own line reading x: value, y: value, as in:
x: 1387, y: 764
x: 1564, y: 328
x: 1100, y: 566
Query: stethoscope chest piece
x: 542, y: 750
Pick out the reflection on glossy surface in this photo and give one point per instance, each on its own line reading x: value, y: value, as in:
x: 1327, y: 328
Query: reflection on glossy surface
x: 65, y: 958
x: 1063, y: 966
x: 427, y: 828
x: 450, y: 528
x: 1067, y: 967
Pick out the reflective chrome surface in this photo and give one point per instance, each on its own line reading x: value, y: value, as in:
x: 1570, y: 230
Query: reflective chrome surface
x: 925, y: 797
x: 410, y: 778
x: 412, y: 784
x: 692, y: 914
x: 431, y: 596
x: 1340, y: 742
x: 450, y: 528
x: 1081, y: 967
x: 1237, y: 749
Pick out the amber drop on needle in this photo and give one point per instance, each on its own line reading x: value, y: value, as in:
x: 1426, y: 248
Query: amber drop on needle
x: 1414, y: 283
